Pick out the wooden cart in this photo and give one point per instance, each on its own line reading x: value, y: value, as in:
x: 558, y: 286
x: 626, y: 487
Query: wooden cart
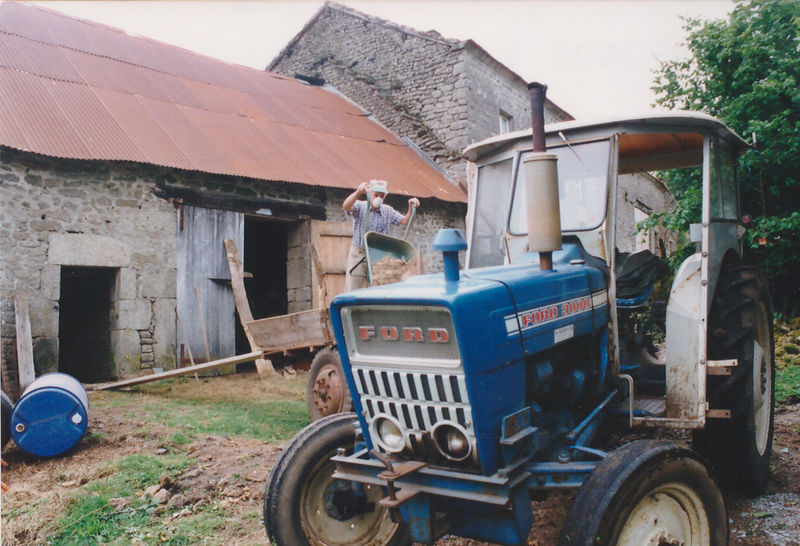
x: 327, y: 391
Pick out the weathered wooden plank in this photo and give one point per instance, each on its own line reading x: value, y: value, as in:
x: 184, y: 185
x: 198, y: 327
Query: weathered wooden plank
x: 237, y: 282
x: 322, y: 300
x: 332, y: 241
x: 202, y: 263
x: 294, y: 330
x: 263, y: 366
x: 231, y: 360
x: 24, y: 342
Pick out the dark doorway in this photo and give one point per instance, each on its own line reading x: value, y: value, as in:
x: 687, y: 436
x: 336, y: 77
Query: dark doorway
x: 84, y: 326
x: 264, y: 261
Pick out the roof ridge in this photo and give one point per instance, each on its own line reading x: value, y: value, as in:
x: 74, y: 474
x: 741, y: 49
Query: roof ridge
x: 427, y: 35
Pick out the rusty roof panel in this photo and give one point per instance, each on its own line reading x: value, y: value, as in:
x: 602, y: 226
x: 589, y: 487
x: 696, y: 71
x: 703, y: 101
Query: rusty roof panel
x: 193, y: 144
x: 36, y: 58
x: 138, y: 124
x: 95, y: 129
x: 33, y: 109
x: 77, y: 89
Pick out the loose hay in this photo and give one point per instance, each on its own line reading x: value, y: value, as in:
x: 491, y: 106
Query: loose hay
x: 388, y: 270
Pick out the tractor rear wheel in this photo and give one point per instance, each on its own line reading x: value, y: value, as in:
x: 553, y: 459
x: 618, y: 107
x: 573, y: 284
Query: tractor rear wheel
x: 740, y: 327
x: 305, y: 506
x: 327, y: 392
x: 648, y: 492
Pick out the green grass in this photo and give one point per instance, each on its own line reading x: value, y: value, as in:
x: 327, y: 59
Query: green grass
x: 90, y: 519
x: 135, y: 472
x: 787, y: 384
x: 269, y: 421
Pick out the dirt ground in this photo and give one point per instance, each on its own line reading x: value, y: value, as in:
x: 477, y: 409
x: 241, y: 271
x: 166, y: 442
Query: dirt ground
x: 232, y: 472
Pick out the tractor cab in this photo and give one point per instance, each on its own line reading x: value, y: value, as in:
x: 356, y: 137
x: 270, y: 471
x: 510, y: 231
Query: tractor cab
x: 608, y: 182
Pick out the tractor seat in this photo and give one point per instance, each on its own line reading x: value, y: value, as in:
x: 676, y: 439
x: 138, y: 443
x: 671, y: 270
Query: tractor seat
x: 637, y: 273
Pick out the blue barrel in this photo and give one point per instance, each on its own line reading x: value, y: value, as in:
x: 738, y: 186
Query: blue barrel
x: 51, y: 416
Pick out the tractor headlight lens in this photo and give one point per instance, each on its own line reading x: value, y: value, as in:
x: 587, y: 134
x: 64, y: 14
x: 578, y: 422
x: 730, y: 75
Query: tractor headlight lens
x: 388, y: 434
x: 451, y: 441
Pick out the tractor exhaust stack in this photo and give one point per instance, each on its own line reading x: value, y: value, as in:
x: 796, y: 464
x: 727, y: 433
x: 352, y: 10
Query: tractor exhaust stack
x: 541, y: 187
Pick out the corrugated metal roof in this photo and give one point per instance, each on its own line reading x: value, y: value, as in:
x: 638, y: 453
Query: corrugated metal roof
x: 76, y: 89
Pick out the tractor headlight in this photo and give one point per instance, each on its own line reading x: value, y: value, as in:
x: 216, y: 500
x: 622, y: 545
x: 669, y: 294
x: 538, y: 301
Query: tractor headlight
x: 388, y: 434
x: 452, y: 441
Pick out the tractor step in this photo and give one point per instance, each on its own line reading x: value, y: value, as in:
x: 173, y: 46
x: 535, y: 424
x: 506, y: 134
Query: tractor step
x: 644, y: 407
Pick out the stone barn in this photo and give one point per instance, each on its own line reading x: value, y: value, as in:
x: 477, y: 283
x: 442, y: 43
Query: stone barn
x: 441, y: 94
x: 125, y: 163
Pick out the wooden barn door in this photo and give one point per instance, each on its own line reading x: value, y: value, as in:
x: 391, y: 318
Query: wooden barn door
x: 332, y: 240
x: 204, y: 281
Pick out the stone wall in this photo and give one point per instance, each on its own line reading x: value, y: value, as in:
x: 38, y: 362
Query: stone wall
x: 492, y: 88
x: 64, y: 213
x: 404, y: 79
x: 441, y: 94
x: 648, y: 194
x: 60, y: 213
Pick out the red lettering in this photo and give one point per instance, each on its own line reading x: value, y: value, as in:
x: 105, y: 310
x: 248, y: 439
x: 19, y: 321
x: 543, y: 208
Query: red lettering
x: 526, y: 319
x: 438, y: 335
x: 389, y: 333
x: 366, y: 332
x: 412, y: 333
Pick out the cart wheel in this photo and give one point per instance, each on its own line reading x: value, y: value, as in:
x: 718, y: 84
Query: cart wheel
x: 8, y: 407
x: 304, y: 505
x: 740, y: 327
x: 327, y: 392
x: 648, y: 492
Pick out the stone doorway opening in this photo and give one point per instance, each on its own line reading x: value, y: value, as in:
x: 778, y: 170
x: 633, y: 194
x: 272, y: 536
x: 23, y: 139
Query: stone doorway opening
x: 265, y: 263
x: 84, y: 331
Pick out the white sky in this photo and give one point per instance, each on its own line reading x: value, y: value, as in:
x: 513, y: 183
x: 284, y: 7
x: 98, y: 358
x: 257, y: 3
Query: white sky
x: 597, y: 57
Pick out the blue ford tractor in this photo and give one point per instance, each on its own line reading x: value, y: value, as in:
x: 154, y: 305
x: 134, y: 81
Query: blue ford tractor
x: 536, y: 368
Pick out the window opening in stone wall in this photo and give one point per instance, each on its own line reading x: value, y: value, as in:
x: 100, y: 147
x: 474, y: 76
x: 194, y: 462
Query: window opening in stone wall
x: 264, y: 262
x: 84, y: 331
x: 643, y: 238
x: 505, y: 122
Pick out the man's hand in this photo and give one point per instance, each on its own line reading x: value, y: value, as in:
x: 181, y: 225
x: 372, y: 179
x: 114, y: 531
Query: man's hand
x: 413, y: 203
x: 363, y: 188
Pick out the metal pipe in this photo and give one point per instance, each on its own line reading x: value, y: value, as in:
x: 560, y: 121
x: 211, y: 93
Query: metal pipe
x: 537, y: 93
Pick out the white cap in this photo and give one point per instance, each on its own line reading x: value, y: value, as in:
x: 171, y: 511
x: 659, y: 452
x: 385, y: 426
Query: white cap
x: 379, y: 186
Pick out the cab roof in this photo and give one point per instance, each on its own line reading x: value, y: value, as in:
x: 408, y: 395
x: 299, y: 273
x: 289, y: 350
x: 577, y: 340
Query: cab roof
x: 649, y: 142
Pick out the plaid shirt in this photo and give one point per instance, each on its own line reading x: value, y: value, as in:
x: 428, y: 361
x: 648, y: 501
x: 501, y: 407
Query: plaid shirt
x: 379, y: 220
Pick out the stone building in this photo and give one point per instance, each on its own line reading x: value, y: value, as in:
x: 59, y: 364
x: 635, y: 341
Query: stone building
x: 439, y: 93
x: 125, y: 163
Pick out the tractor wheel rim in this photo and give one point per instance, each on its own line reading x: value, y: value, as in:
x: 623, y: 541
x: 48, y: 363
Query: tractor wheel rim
x: 672, y: 513
x: 762, y: 381
x: 375, y: 527
x: 328, y: 391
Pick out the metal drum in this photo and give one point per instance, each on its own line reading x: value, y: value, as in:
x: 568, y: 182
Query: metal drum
x: 51, y: 416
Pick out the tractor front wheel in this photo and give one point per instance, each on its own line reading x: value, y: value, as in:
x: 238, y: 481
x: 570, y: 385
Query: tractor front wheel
x: 305, y: 506
x: 648, y: 492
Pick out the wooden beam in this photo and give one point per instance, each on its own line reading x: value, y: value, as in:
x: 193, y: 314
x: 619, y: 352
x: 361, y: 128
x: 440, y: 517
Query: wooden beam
x: 249, y: 357
x: 24, y: 343
x: 263, y: 366
x: 278, y: 208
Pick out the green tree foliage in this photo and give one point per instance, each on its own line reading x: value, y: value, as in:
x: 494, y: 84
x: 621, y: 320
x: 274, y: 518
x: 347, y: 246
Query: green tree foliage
x: 746, y: 71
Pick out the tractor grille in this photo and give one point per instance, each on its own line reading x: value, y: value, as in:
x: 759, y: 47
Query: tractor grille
x: 418, y: 400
